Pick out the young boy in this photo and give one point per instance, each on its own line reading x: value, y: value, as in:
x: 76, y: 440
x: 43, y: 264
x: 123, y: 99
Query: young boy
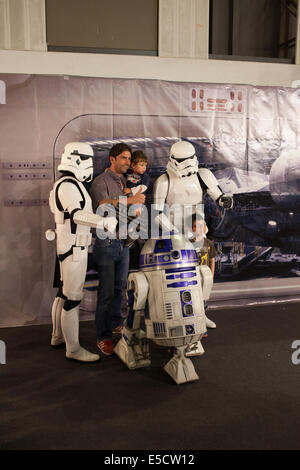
x: 136, y: 175
x: 206, y: 251
x: 137, y: 180
x: 206, y: 254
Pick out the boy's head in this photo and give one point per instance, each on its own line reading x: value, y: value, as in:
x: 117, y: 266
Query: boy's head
x: 199, y: 227
x: 139, y: 162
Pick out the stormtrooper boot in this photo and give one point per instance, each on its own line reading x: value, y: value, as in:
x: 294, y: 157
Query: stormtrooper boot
x: 209, y: 323
x: 70, y: 328
x: 57, y: 338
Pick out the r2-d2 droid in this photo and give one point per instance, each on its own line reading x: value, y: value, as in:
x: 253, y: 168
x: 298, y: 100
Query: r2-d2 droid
x: 169, y: 289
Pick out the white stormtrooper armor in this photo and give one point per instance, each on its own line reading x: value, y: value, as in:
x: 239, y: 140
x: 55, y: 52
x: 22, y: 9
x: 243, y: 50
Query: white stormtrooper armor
x: 78, y: 160
x: 73, y: 214
x: 184, y: 184
x: 169, y: 289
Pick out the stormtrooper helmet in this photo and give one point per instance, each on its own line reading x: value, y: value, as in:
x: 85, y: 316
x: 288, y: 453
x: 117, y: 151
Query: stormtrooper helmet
x: 183, y: 160
x: 78, y: 159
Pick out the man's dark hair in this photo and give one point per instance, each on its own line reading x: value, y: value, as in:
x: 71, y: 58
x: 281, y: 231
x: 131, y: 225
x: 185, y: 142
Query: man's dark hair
x: 119, y: 148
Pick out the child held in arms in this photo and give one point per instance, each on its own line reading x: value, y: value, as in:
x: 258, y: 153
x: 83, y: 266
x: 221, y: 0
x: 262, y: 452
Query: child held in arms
x: 136, y: 175
x: 206, y: 252
x: 137, y: 181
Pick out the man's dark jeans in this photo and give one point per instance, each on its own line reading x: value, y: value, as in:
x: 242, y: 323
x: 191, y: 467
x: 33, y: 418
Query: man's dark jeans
x: 112, y: 262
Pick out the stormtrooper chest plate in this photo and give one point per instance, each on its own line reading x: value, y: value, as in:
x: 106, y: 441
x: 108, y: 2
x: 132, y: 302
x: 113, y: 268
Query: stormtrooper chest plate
x: 185, y: 190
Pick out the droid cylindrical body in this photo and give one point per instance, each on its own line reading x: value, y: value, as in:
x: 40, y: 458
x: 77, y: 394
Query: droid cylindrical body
x: 174, y: 312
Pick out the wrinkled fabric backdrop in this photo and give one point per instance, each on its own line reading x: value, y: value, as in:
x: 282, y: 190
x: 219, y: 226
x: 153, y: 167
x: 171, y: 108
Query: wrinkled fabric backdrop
x: 240, y: 129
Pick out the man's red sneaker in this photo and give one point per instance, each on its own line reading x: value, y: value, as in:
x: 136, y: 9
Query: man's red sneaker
x: 106, y: 346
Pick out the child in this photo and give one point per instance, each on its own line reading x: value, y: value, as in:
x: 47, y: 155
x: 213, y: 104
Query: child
x: 206, y: 251
x: 206, y: 254
x: 136, y: 175
x: 137, y: 180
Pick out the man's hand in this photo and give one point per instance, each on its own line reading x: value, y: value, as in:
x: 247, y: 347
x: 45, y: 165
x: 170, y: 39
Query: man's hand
x: 138, y: 198
x: 127, y: 191
x: 110, y: 224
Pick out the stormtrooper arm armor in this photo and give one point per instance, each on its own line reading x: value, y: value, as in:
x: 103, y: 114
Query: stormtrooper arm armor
x: 70, y: 197
x: 72, y: 202
x: 93, y: 220
x: 160, y: 193
x: 210, y: 184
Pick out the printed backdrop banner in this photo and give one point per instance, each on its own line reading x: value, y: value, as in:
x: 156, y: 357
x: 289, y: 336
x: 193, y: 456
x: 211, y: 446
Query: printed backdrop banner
x: 248, y: 136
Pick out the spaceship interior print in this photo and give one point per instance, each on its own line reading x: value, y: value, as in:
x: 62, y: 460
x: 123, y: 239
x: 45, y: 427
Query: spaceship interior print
x: 247, y: 136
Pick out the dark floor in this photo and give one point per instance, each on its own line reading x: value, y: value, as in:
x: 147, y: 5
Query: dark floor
x: 248, y: 395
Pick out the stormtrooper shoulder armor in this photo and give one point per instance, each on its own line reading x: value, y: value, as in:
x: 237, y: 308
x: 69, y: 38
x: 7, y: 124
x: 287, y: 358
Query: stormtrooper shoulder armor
x: 210, y: 182
x: 160, y: 191
x: 70, y: 196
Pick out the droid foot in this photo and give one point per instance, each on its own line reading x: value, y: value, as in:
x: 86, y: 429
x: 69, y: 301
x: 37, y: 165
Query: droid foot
x: 195, y: 349
x: 131, y: 355
x: 82, y: 355
x: 181, y: 368
x: 209, y: 323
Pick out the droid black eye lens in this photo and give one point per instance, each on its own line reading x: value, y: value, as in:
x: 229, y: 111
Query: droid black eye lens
x: 175, y: 254
x: 161, y: 244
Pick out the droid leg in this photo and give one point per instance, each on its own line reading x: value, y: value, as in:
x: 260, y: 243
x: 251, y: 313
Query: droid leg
x: 57, y: 338
x: 181, y: 368
x: 195, y: 349
x: 133, y: 347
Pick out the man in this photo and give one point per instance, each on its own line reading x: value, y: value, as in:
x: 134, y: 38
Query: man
x: 111, y: 256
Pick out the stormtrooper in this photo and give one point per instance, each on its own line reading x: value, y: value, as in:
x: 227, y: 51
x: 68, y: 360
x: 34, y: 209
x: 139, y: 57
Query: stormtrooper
x: 183, y: 184
x: 73, y: 214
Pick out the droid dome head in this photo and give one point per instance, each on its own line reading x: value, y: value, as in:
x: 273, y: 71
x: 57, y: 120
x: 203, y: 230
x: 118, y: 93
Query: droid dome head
x: 176, y: 252
x: 183, y: 160
x: 78, y: 159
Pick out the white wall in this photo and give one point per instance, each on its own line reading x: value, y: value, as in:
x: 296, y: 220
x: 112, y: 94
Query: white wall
x: 23, y: 25
x: 184, y: 28
x: 180, y: 59
x: 123, y: 66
